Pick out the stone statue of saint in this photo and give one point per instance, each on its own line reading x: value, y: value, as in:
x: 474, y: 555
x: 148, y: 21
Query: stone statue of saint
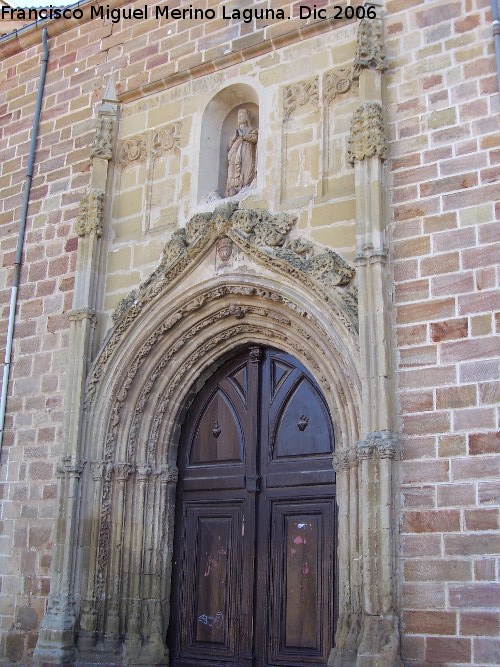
x: 241, y: 156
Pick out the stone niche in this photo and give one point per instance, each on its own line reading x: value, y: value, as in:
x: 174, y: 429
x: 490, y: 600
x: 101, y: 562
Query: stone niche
x: 219, y: 121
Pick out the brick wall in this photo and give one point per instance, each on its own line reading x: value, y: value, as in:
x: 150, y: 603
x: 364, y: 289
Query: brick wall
x: 444, y: 126
x: 442, y: 109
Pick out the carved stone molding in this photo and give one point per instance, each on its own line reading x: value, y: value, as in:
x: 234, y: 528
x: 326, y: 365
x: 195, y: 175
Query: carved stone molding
x: 381, y: 443
x: 90, y: 217
x: 299, y: 94
x: 102, y: 146
x: 337, y: 82
x: 368, y: 137
x: 370, y: 50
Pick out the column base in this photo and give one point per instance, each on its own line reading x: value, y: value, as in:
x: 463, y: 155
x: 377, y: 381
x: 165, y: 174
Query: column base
x: 366, y: 641
x: 379, y: 645
x: 54, y: 647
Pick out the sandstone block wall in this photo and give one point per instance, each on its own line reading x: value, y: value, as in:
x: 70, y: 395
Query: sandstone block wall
x: 442, y: 110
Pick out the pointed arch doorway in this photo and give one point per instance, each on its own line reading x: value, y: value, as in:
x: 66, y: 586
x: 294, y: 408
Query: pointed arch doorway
x: 254, y: 555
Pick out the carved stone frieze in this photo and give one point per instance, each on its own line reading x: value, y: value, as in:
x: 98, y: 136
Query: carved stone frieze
x: 90, y: 216
x: 370, y: 50
x: 381, y: 443
x: 165, y: 139
x: 133, y: 149
x: 299, y: 94
x: 337, y: 82
x: 148, y: 146
x: 368, y: 137
x: 102, y: 146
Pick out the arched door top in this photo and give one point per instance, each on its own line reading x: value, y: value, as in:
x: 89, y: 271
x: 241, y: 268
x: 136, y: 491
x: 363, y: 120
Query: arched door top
x: 254, y: 574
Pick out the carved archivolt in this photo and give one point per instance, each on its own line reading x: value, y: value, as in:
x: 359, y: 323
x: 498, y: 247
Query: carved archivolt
x: 370, y: 51
x: 299, y: 94
x: 367, y: 138
x: 90, y: 216
x: 133, y: 450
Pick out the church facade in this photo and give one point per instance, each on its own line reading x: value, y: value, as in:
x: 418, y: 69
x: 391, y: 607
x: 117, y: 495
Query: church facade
x: 252, y: 404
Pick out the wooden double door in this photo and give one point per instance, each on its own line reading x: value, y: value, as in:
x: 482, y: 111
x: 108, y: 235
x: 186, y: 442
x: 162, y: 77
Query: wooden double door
x: 254, y: 578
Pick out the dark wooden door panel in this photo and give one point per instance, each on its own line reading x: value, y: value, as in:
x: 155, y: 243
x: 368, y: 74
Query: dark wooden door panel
x: 299, y: 613
x: 211, y: 591
x: 253, y: 577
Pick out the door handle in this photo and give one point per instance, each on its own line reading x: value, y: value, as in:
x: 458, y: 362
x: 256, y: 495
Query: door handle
x: 252, y: 483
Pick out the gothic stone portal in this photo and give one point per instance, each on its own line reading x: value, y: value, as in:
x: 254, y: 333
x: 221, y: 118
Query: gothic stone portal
x: 254, y: 575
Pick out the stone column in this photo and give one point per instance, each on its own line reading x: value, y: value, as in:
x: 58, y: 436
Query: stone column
x: 377, y: 642
x: 56, y: 638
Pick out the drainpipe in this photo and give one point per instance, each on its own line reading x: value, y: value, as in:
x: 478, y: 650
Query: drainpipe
x: 496, y: 36
x: 20, y: 235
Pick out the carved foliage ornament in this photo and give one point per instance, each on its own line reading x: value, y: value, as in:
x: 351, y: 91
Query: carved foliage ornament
x: 324, y: 272
x: 370, y: 51
x: 102, y: 146
x: 299, y: 94
x: 90, y: 216
x: 367, y: 138
x: 251, y: 228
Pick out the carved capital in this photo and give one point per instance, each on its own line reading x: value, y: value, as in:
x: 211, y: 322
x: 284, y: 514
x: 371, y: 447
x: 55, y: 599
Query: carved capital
x: 102, y: 146
x: 168, y: 473
x: 69, y: 467
x: 122, y: 471
x: 101, y: 470
x: 143, y: 471
x: 344, y: 460
x: 370, y: 50
x: 381, y: 443
x: 82, y: 314
x: 90, y: 217
x: 367, y: 138
x: 299, y: 94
